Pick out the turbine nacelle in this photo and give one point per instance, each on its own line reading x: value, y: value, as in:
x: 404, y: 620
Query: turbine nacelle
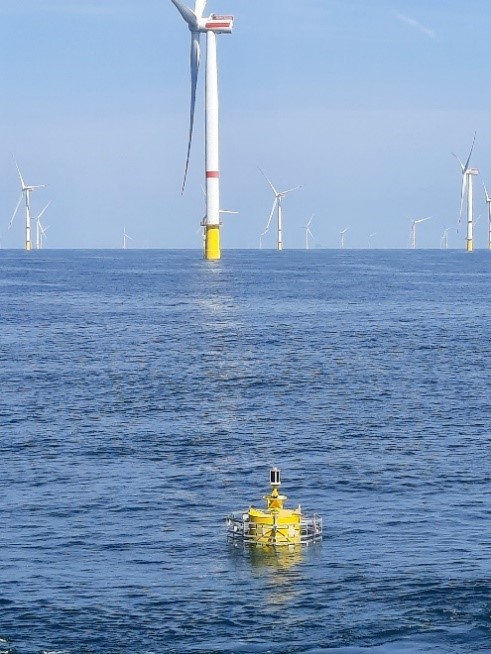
x: 214, y: 23
x: 217, y: 24
x: 220, y: 24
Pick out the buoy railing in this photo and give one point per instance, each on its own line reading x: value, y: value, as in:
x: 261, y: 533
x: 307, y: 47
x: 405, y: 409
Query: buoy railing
x: 241, y: 528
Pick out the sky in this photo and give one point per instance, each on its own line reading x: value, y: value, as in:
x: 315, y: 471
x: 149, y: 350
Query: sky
x: 361, y: 102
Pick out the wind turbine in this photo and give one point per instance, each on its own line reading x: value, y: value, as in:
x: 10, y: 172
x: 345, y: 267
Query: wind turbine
x: 40, y: 230
x: 211, y: 26
x: 308, y: 233
x: 444, y: 239
x: 467, y: 174
x: 342, y: 233
x: 370, y: 236
x: 488, y: 202
x: 278, y: 197
x: 42, y: 236
x: 125, y: 238
x: 26, y: 194
x: 413, y: 230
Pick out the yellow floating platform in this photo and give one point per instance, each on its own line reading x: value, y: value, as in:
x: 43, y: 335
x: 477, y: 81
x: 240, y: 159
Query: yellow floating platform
x: 274, y: 525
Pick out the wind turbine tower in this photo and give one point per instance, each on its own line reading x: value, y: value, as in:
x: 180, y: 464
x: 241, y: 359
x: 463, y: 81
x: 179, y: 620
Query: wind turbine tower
x: 467, y: 174
x: 444, y: 239
x: 40, y: 230
x: 413, y: 230
x: 370, y: 237
x: 488, y: 202
x: 210, y: 26
x: 125, y: 238
x: 308, y: 233
x: 342, y: 233
x: 26, y: 190
x: 278, y: 197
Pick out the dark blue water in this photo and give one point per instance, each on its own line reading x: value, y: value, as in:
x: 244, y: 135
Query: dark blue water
x: 144, y: 396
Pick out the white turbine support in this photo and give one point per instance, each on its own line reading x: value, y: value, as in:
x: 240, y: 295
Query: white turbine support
x: 308, y: 232
x: 370, y: 236
x: 125, y: 238
x: 40, y: 231
x: 211, y: 122
x: 444, y: 239
x: 28, y: 219
x: 470, y: 172
x: 42, y: 236
x: 413, y: 230
x: 466, y: 188
x: 469, y: 211
x: 488, y: 202
x: 280, y: 226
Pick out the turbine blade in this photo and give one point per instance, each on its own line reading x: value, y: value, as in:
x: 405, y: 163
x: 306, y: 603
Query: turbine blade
x: 227, y: 211
x: 188, y: 14
x: 269, y: 182
x: 462, y: 193
x: 290, y: 190
x: 199, y: 8
x: 23, y: 184
x: 270, y: 216
x: 42, y: 212
x: 311, y: 217
x: 470, y: 153
x: 488, y: 199
x: 460, y: 162
x: 195, y: 61
x: 15, y: 212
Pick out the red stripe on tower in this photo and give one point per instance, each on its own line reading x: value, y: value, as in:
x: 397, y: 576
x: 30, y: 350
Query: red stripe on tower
x: 212, y: 173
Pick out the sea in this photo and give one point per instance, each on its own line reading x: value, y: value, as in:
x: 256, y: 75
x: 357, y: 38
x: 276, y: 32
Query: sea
x: 145, y: 396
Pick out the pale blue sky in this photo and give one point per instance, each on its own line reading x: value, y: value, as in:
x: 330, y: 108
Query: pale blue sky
x: 359, y: 101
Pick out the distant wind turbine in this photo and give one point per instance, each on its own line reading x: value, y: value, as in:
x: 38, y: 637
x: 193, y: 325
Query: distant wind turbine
x: 126, y: 237
x: 26, y: 190
x: 308, y: 233
x: 278, y: 197
x: 42, y: 235
x: 40, y: 230
x: 370, y: 236
x: 342, y: 233
x: 413, y: 230
x: 488, y: 202
x: 467, y: 174
x: 444, y: 239
x: 211, y: 26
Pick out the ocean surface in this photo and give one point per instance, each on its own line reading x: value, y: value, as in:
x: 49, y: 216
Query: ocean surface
x: 145, y: 394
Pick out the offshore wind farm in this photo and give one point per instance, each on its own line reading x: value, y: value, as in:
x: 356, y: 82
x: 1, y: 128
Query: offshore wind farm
x: 299, y: 117
x: 325, y: 314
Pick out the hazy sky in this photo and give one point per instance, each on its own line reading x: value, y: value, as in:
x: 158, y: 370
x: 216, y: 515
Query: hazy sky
x: 361, y: 102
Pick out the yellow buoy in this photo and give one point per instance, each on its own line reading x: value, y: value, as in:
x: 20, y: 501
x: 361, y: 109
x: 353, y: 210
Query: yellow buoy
x: 274, y: 525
